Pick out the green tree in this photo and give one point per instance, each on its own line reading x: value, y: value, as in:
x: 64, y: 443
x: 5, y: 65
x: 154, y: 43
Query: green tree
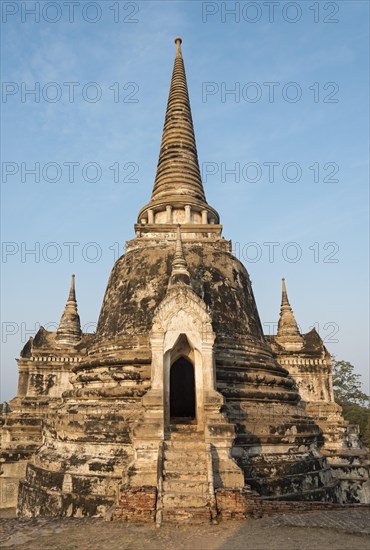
x: 347, y: 384
x: 348, y: 393
x: 366, y: 432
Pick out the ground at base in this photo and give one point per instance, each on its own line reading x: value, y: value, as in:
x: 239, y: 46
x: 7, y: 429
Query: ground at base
x: 337, y: 530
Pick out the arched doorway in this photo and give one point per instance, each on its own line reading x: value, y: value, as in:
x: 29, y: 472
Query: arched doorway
x: 182, y: 391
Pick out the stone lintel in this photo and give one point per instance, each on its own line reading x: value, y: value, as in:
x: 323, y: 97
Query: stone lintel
x: 161, y: 228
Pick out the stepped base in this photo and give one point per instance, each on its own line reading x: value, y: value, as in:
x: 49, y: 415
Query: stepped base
x: 189, y: 515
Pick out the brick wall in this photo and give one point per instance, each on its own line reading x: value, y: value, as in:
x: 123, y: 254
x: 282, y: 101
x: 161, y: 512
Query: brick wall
x: 239, y: 504
x: 136, y: 504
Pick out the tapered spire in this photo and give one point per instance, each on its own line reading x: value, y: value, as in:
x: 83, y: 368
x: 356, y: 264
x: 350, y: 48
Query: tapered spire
x: 178, y: 168
x: 69, y: 330
x: 288, y: 334
x: 178, y: 183
x: 180, y: 273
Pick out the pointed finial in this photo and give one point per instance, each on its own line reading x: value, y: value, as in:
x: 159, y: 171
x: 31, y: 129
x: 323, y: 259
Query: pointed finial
x: 178, y: 42
x: 284, y: 294
x: 69, y: 330
x: 72, y: 291
x: 180, y: 273
x: 179, y: 259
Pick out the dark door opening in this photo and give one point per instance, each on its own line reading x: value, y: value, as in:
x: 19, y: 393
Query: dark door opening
x: 182, y: 391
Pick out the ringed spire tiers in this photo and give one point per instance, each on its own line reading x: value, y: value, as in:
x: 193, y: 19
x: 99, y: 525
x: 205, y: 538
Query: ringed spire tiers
x: 178, y: 194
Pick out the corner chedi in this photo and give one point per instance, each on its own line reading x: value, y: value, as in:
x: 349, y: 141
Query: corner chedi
x: 310, y: 365
x: 178, y: 408
x: 288, y: 332
x: 69, y: 330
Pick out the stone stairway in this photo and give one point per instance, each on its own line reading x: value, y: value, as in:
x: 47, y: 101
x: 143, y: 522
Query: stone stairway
x: 186, y: 491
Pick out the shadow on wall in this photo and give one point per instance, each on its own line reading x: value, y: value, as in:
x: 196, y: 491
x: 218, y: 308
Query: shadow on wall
x: 296, y: 471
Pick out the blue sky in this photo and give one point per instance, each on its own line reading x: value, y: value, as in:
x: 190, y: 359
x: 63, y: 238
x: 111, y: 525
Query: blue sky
x: 327, y: 221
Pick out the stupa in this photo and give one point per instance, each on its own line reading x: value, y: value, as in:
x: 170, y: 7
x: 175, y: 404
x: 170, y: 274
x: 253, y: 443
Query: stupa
x: 178, y: 408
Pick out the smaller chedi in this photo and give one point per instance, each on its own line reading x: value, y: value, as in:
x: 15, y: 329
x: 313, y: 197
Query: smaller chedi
x: 178, y: 408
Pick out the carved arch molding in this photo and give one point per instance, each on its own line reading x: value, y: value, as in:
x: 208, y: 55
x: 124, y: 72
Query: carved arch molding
x: 182, y: 326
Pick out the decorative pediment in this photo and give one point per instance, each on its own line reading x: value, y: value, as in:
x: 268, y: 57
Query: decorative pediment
x: 181, y: 304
